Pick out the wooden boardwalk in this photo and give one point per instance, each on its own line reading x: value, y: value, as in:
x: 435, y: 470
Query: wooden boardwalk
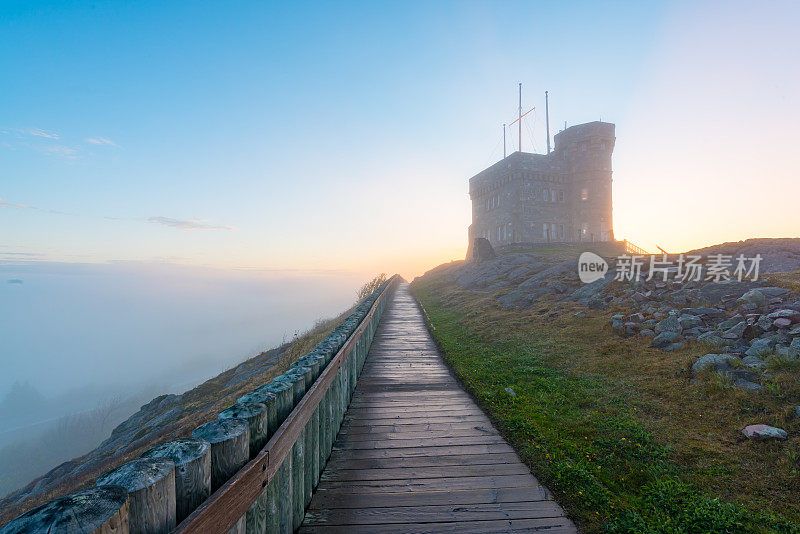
x: 415, y: 454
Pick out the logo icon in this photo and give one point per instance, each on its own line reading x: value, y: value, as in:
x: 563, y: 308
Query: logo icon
x: 591, y: 267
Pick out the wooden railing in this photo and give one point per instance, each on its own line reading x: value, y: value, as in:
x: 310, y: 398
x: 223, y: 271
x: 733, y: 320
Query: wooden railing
x: 266, y: 457
x: 630, y: 248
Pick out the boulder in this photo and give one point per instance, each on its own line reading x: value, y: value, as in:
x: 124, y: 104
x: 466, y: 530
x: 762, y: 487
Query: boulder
x: 717, y: 362
x: 764, y: 432
x: 665, y: 339
x: 754, y: 297
x: 782, y: 322
x: 482, y: 250
x: 688, y: 321
x: 753, y: 362
x: 764, y: 323
x: 714, y: 339
x: 772, y: 291
x: 703, y: 311
x: 669, y: 324
x: 760, y: 347
x: 787, y: 353
x: 792, y: 315
x: 731, y: 322
x: 736, y: 330
x: 743, y: 383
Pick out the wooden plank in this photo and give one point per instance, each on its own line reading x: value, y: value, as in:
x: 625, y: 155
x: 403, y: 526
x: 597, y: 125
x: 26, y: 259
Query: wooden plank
x: 416, y: 427
x: 434, y: 513
x: 436, y: 484
x: 418, y: 442
x: 557, y: 525
x: 410, y: 473
x: 424, y: 461
x: 397, y: 435
x: 342, y: 498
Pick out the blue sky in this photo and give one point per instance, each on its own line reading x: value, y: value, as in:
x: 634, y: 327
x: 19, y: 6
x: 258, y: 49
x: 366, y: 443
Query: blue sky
x: 331, y: 135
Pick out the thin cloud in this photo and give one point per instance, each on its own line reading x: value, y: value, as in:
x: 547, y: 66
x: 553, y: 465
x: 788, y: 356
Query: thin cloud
x: 6, y: 204
x: 101, y: 141
x: 39, y: 132
x: 186, y: 224
x: 61, y: 151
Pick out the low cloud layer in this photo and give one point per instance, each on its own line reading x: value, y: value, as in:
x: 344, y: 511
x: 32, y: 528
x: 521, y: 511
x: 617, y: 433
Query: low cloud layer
x: 186, y: 224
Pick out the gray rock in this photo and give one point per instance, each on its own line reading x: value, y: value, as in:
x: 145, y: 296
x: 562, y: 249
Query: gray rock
x: 716, y: 362
x: 792, y: 315
x: 746, y: 384
x: 764, y: 323
x: 747, y: 374
x: 688, y: 321
x: 589, y: 291
x: 730, y: 323
x: 772, y: 291
x: 647, y: 333
x: 669, y: 324
x: 763, y: 432
x: 753, y: 362
x: 482, y: 250
x: 736, y: 330
x: 787, y: 353
x: 797, y: 411
x: 754, y: 297
x: 760, y: 347
x: 581, y: 314
x: 692, y: 332
x: 664, y: 339
x: 714, y: 339
x: 703, y: 311
x: 673, y: 347
x: 511, y: 392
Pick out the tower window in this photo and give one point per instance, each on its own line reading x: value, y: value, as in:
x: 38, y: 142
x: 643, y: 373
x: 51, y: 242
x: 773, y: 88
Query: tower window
x: 561, y: 196
x: 584, y: 194
x: 546, y: 195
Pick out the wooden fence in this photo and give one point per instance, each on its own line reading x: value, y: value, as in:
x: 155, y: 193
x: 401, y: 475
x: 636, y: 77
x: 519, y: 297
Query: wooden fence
x: 252, y: 470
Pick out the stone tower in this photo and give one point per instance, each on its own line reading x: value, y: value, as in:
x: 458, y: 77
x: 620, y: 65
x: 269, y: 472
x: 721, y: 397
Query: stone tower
x: 564, y: 196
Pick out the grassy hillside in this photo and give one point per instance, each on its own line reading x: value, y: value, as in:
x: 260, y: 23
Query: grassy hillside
x: 622, y: 435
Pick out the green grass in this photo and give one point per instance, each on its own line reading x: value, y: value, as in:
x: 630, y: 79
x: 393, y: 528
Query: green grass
x: 599, y: 436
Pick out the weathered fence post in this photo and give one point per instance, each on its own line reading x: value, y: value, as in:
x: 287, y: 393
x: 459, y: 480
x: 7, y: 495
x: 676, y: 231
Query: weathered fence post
x: 282, y: 483
x: 150, y: 483
x: 257, y: 418
x: 230, y: 450
x: 297, y: 378
x: 99, y: 510
x: 192, y: 459
x: 263, y: 516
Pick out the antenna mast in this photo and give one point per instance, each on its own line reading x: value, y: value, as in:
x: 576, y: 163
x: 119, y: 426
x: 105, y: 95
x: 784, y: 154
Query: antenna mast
x: 547, y: 119
x: 504, y: 140
x: 519, y: 117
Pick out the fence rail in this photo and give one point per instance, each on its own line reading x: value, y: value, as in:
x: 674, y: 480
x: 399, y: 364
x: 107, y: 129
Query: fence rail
x: 255, y: 489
